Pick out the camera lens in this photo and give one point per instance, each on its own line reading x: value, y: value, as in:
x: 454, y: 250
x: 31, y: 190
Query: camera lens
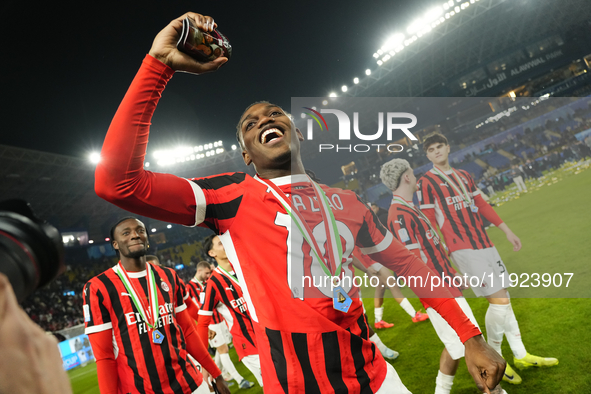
x: 31, y: 250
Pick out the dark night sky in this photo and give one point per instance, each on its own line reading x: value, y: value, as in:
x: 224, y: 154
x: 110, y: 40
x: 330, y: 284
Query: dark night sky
x: 66, y: 65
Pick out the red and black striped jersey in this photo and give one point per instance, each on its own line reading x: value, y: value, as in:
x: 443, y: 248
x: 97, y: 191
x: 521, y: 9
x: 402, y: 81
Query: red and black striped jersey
x: 197, y: 292
x: 461, y: 228
x: 303, y: 342
x: 223, y: 293
x: 143, y: 366
x: 415, y: 233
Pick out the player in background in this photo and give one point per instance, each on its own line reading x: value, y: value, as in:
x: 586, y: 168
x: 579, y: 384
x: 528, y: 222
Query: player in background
x: 218, y: 334
x: 196, y: 286
x: 138, y: 326
x: 382, y: 273
x: 242, y: 208
x: 412, y: 228
x: 193, y: 307
x: 450, y: 199
x: 224, y: 294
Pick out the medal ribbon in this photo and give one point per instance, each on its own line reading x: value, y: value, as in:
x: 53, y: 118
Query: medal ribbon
x: 139, y: 303
x: 422, y: 215
x: 335, y: 248
x: 229, y: 275
x: 463, y: 193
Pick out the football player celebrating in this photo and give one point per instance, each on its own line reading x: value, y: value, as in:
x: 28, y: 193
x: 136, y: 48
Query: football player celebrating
x: 451, y: 200
x: 138, y: 326
x: 310, y: 339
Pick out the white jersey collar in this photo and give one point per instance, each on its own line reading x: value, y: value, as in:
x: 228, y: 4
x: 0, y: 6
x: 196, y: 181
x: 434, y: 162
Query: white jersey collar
x: 289, y: 179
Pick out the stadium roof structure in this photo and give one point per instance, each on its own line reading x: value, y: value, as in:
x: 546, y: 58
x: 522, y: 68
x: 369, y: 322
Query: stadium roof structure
x: 481, y: 33
x: 60, y: 188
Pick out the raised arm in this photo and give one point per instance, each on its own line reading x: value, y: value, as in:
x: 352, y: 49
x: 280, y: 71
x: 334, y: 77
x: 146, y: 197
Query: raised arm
x: 120, y: 177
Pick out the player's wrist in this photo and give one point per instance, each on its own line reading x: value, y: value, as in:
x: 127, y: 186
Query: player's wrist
x: 476, y: 341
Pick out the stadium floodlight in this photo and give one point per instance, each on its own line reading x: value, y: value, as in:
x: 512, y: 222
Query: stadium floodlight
x: 376, y: 55
x: 355, y: 80
x: 380, y: 62
x: 169, y: 226
x: 332, y: 94
x: 433, y: 14
x: 234, y: 147
x: 153, y: 230
x: 416, y: 26
x: 95, y: 157
x: 392, y: 41
x: 344, y: 88
x: 147, y: 164
x: 219, y: 150
x: 368, y: 72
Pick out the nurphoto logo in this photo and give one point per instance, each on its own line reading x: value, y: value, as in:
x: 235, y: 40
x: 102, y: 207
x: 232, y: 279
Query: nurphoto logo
x: 397, y: 126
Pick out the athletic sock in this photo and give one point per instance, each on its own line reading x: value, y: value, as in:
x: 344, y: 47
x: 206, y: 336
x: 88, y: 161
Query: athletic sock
x: 443, y: 383
x: 496, y: 315
x: 375, y: 339
x: 514, y: 335
x: 217, y: 360
x: 379, y: 314
x: 229, y: 365
x: 405, y: 304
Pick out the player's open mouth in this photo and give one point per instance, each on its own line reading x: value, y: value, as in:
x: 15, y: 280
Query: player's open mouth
x: 270, y: 135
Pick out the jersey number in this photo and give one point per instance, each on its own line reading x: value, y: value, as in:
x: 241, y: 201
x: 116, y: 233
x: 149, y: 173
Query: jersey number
x: 295, y: 257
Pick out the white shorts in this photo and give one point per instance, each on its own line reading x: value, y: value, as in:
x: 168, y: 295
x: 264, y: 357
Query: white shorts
x: 222, y: 335
x: 486, y: 272
x: 253, y: 363
x: 448, y: 336
x: 392, y: 383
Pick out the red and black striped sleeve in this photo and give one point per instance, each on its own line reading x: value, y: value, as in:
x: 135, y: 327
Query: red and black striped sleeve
x: 96, y: 307
x: 222, y: 196
x: 425, y: 193
x: 483, y: 207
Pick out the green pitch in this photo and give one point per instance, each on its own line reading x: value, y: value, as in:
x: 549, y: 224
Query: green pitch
x: 553, y: 221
